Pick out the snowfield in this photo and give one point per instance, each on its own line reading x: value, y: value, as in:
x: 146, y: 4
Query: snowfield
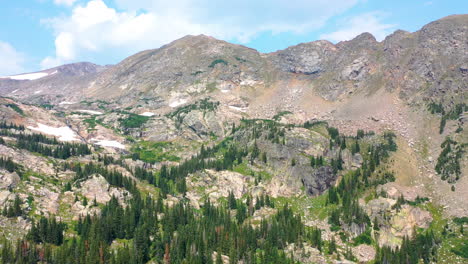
x: 90, y: 112
x: 108, y: 143
x: 241, y: 109
x: 29, y: 76
x: 66, y: 103
x: 63, y: 133
x: 147, y: 114
x: 178, y: 102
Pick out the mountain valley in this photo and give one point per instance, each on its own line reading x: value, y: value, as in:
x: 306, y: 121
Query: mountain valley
x: 203, y: 151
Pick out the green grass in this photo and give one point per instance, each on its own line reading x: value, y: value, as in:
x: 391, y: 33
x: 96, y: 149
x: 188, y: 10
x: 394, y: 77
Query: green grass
x: 152, y: 152
x: 308, y: 207
x: 243, y: 169
x: 451, y: 242
x: 91, y: 123
x: 133, y: 121
x: 211, y: 87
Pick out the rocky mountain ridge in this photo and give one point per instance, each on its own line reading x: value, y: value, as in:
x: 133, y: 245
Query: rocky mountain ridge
x: 196, y: 65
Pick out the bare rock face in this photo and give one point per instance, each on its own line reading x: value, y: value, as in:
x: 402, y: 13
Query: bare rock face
x: 305, y: 58
x: 356, y: 70
x: 96, y: 188
x: 8, y: 180
x: 377, y: 207
x: 402, y: 224
x: 28, y: 160
x: 217, y: 184
x: 47, y: 201
x: 5, y: 195
x: 306, y: 254
x: 408, y: 218
x: 364, y: 253
x: 79, y: 210
x: 319, y: 181
x: 351, y: 161
x: 394, y: 191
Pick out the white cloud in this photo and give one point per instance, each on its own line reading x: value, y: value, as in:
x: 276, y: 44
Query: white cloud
x: 96, y: 28
x: 368, y: 22
x: 11, y: 60
x: 64, y: 2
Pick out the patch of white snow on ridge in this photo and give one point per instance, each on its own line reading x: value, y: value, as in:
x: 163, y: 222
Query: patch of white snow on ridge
x: 90, y: 112
x: 147, y: 114
x: 66, y: 103
x: 28, y: 76
x: 63, y: 133
x: 108, y: 143
x: 38, y: 91
x: 178, y: 102
x: 241, y: 109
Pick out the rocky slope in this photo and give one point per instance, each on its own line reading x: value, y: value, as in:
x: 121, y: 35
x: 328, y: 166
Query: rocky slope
x: 260, y: 123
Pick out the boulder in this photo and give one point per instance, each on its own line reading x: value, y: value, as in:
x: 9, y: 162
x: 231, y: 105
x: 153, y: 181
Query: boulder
x: 8, y: 180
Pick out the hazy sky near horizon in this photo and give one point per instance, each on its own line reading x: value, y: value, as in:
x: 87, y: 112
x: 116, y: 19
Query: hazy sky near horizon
x: 39, y: 34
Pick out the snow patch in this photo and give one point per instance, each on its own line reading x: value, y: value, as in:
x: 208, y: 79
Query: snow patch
x: 225, y: 91
x: 28, y: 76
x: 15, y: 91
x: 63, y: 133
x: 147, y: 114
x: 90, y: 112
x: 66, y: 103
x: 38, y: 91
x: 241, y: 109
x: 248, y: 82
x: 178, y: 102
x: 108, y: 143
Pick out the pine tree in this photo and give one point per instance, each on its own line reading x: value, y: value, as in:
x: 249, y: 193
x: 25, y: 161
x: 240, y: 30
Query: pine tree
x: 343, y: 143
x: 232, y: 203
x: 332, y: 246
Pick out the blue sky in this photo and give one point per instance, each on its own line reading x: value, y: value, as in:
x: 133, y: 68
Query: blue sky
x: 39, y: 34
